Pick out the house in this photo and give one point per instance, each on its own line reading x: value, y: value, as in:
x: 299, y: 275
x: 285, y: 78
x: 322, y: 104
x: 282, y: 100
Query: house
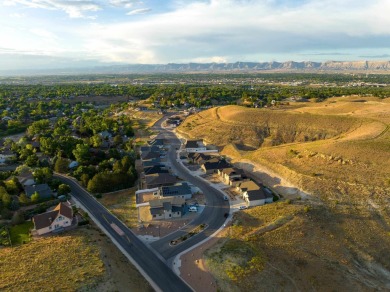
x: 171, y: 207
x: 152, y: 162
x: 144, y: 149
x: 155, y: 169
x: 43, y: 190
x: 26, y: 178
x: 182, y: 190
x: 105, y: 135
x: 257, y: 197
x: 254, y: 194
x: 213, y: 165
x: 6, y: 155
x: 150, y: 155
x: 199, y: 158
x: 247, y: 186
x: 195, y: 146
x: 6, y: 119
x: 54, y: 220
x: 230, y: 173
x: 105, y: 144
x: 159, y: 179
x: 235, y: 181
x: 36, y: 145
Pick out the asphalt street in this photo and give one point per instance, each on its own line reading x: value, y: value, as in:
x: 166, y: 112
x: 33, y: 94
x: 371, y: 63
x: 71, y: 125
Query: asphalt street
x: 153, y: 259
x: 213, y: 213
x: 159, y: 273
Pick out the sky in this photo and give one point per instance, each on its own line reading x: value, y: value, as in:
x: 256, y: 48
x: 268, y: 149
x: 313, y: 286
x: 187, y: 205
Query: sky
x: 79, y: 33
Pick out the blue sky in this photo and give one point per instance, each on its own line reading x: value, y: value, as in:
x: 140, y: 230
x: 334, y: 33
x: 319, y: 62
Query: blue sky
x: 77, y: 33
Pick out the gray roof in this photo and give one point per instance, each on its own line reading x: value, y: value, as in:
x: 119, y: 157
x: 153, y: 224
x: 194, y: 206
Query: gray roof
x: 154, y: 169
x: 177, y: 190
x: 160, y: 179
x: 43, y: 190
x: 152, y: 162
x: 216, y: 165
x: 150, y: 155
x: 149, y: 148
x: 192, y: 144
x: 173, y: 201
x: 256, y: 195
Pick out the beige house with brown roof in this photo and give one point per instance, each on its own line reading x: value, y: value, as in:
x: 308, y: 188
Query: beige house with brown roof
x: 50, y: 221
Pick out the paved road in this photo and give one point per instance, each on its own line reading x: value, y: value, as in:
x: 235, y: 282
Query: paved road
x: 212, y: 215
x: 159, y: 274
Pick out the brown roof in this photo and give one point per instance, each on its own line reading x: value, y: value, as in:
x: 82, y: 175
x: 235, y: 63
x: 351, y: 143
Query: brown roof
x: 248, y: 186
x: 232, y: 171
x: 65, y: 209
x: 45, y: 219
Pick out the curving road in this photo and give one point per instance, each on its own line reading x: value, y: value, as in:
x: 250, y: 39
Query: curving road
x: 158, y: 274
x: 152, y: 261
x: 213, y: 213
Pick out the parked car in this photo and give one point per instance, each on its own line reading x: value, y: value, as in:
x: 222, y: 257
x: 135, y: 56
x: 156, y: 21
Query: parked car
x: 243, y: 207
x: 193, y: 209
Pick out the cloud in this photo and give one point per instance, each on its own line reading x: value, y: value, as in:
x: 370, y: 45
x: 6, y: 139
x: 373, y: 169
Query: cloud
x: 325, y: 54
x: 74, y: 8
x: 17, y: 15
x: 44, y: 33
x: 210, y: 31
x: 122, y: 3
x: 139, y: 11
x: 383, y: 56
x: 242, y: 30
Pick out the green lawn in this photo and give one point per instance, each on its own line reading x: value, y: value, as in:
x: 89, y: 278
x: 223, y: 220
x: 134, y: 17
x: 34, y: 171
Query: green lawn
x: 21, y: 233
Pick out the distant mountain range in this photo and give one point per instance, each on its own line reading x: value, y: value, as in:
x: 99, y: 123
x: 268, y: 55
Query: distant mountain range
x: 263, y: 66
x: 290, y: 66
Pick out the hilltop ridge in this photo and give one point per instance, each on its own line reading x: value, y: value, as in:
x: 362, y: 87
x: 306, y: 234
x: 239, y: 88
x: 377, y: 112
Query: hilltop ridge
x: 236, y: 67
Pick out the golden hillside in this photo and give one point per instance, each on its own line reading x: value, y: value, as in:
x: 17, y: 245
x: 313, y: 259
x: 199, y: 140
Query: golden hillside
x: 338, y: 152
x: 339, y: 147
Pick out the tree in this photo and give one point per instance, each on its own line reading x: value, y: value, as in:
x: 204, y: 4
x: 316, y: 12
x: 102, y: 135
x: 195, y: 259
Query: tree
x: 63, y: 189
x: 14, y: 205
x: 22, y: 169
x: 32, y: 160
x: 38, y: 127
x: 96, y: 141
x: 61, y: 165
x: 43, y: 175
x: 118, y: 140
x: 18, y: 218
x: 13, y: 186
x: 23, y: 199
x: 35, y: 197
x: 48, y: 145
x: 82, y: 153
x: 84, y: 179
x: 5, y: 197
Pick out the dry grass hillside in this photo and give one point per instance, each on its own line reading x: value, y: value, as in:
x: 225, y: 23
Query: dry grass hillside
x: 339, y: 152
